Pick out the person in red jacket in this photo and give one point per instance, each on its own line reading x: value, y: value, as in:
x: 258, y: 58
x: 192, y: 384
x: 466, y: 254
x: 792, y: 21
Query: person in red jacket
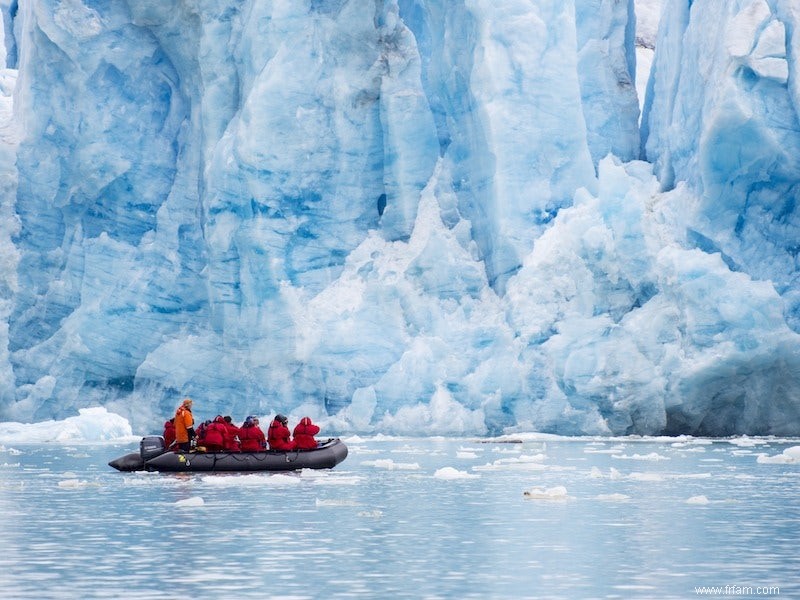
x: 304, y: 434
x: 169, y: 432
x: 231, y: 443
x: 251, y: 437
x: 278, y: 436
x: 214, y: 440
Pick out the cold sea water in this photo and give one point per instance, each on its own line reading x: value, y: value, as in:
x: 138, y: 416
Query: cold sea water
x: 412, y: 518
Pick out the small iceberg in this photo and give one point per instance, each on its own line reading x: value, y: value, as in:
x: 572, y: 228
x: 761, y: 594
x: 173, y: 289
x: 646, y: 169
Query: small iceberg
x: 390, y: 465
x: 613, y: 497
x: 558, y: 492
x: 193, y: 502
x: 450, y: 473
x: 790, y: 456
x: 701, y: 500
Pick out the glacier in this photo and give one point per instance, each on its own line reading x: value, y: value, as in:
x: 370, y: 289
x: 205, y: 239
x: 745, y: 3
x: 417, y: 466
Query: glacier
x: 403, y: 216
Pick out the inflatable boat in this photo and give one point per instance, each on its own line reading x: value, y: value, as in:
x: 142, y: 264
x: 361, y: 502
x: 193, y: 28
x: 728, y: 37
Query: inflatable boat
x: 154, y: 456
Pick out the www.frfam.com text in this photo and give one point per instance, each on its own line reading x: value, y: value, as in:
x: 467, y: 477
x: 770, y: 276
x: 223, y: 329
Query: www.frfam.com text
x: 738, y: 590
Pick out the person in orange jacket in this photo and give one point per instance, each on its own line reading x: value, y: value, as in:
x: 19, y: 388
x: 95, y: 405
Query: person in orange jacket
x: 304, y: 434
x: 184, y: 425
x: 278, y: 436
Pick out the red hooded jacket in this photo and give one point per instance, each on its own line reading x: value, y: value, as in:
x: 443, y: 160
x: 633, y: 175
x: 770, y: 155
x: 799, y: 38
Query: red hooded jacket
x: 304, y: 434
x: 231, y: 444
x: 215, y: 435
x: 251, y: 437
x: 169, y: 432
x: 279, y: 437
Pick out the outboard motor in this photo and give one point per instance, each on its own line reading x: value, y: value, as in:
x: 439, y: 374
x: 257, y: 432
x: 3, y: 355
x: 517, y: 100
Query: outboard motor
x: 152, y: 446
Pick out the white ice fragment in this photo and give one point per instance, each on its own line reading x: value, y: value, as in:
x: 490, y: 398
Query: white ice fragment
x: 321, y: 503
x: 746, y: 442
x: 558, y: 492
x: 450, y: 473
x: 697, y: 500
x: 613, y: 497
x: 652, y: 456
x: 390, y: 465
x: 192, y: 502
x: 72, y: 483
x: 789, y: 456
x: 652, y: 477
x: 466, y: 454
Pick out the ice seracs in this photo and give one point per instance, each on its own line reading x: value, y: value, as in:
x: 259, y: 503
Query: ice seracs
x: 421, y: 217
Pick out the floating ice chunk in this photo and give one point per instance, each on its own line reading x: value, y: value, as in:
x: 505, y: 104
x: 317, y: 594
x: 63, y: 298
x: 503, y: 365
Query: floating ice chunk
x: 193, y: 502
x: 91, y: 425
x: 323, y: 503
x: 338, y: 480
x: 613, y: 474
x: 531, y: 462
x: 654, y: 477
x: 612, y: 450
x: 73, y: 483
x: 525, y: 458
x: 697, y: 500
x: 652, y: 456
x: 558, y: 492
x: 789, y: 456
x: 371, y: 514
x: 466, y: 454
x: 613, y: 497
x: 746, y: 442
x: 451, y: 473
x: 390, y: 465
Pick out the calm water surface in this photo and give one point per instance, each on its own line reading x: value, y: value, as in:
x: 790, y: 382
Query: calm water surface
x: 408, y: 518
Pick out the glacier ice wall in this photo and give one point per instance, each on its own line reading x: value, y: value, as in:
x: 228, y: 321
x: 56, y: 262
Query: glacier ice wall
x: 723, y: 117
x: 392, y: 216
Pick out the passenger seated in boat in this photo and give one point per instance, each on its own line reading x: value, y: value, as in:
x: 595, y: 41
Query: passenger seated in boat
x: 231, y: 442
x: 278, y: 436
x: 304, y: 434
x: 251, y: 437
x: 200, y: 437
x: 214, y: 439
x: 169, y: 432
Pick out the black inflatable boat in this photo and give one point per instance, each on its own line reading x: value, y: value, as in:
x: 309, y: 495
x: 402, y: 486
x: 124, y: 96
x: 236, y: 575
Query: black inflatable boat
x: 153, y: 456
